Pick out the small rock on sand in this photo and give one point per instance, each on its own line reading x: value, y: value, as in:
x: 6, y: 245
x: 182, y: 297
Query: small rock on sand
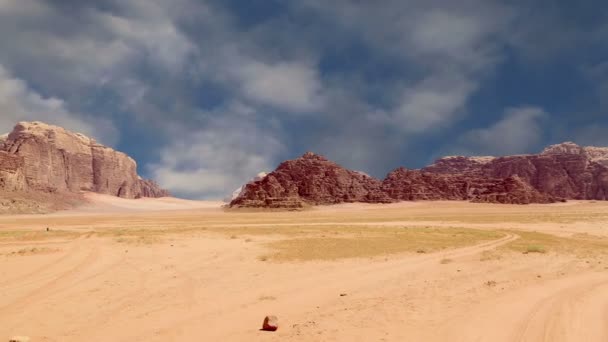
x: 271, y: 323
x: 19, y: 339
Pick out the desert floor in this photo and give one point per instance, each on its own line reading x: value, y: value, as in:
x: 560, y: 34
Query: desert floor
x: 171, y: 270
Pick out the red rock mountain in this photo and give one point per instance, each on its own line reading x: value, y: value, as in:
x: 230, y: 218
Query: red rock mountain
x: 566, y: 170
x: 414, y: 185
x: 37, y: 157
x: 310, y: 180
x: 560, y: 172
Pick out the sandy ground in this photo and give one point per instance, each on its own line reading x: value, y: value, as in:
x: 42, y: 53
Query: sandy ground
x: 171, y: 270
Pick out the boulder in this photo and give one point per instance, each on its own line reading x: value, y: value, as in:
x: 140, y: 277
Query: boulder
x: 271, y: 323
x: 19, y: 339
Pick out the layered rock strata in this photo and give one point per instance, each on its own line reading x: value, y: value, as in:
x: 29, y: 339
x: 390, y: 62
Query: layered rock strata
x: 43, y: 158
x: 560, y: 172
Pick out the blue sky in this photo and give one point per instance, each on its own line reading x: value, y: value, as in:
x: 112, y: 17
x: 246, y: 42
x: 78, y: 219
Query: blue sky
x: 207, y: 93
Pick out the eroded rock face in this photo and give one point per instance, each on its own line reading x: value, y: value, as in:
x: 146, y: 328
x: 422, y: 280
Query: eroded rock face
x: 562, y: 171
x: 414, y: 185
x: 237, y: 193
x: 310, y: 180
x: 53, y: 159
x: 510, y: 190
x: 12, y: 175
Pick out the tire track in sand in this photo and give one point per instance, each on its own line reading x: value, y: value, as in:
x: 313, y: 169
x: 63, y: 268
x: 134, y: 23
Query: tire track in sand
x: 572, y: 309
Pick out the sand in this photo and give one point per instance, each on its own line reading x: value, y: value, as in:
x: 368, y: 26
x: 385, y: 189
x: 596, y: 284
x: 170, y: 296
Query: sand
x: 172, y: 270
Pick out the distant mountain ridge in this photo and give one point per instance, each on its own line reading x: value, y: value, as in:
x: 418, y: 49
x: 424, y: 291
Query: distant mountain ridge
x: 561, y: 172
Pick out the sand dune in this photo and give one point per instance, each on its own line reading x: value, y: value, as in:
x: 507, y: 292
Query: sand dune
x: 98, y: 203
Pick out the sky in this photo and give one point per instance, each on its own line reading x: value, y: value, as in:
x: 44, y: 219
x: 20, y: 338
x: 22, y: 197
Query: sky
x: 205, y: 94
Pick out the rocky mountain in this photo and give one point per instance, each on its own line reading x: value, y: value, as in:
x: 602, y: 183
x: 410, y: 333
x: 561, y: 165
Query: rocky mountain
x: 560, y: 172
x: 37, y: 157
x: 415, y: 185
x: 309, y: 180
x: 565, y: 170
x: 237, y: 193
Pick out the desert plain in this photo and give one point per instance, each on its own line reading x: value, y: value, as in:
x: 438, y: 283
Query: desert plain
x: 174, y: 270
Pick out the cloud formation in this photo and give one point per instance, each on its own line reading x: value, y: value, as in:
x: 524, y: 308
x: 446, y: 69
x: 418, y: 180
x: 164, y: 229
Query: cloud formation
x: 519, y: 131
x: 206, y: 163
x: 20, y: 103
x: 206, y: 94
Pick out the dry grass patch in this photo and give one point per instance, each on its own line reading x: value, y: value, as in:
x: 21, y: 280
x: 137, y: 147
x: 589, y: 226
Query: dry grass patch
x: 33, y: 251
x: 490, y: 255
x: 140, y: 240
x: 35, y: 235
x: 370, y: 242
x: 580, y: 245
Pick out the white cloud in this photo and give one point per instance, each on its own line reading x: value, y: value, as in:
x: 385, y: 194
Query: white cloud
x: 292, y: 86
x: 156, y: 35
x: 23, y: 7
x: 433, y: 103
x: 212, y: 162
x: 449, y: 48
x: 91, y: 47
x: 519, y: 131
x: 20, y: 103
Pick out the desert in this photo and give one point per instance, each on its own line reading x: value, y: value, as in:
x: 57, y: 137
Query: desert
x: 306, y: 171
x: 506, y: 248
x: 409, y: 271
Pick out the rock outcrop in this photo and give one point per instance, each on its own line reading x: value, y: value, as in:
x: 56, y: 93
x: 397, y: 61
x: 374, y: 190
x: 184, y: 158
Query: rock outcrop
x: 237, y: 193
x: 560, y: 172
x: 563, y: 171
x: 310, y: 180
x: 12, y: 175
x: 43, y: 158
x: 415, y: 185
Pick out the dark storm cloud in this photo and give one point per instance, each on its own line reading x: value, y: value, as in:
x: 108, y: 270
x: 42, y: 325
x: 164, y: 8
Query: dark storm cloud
x: 208, y: 93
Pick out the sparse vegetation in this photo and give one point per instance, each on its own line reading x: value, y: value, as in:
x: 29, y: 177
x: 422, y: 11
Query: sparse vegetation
x: 33, y: 251
x: 490, y: 255
x: 580, y: 245
x: 375, y: 241
x: 535, y: 249
x: 140, y: 240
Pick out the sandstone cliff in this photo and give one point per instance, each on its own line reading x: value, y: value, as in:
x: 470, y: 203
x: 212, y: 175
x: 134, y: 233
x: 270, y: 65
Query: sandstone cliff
x: 564, y: 170
x: 12, y: 175
x: 43, y: 158
x: 413, y: 185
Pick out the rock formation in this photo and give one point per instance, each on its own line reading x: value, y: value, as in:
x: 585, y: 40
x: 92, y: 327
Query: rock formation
x: 237, y: 193
x: 413, y: 185
x: 310, y: 180
x: 560, y: 172
x: 563, y: 171
x: 12, y: 175
x: 43, y: 158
